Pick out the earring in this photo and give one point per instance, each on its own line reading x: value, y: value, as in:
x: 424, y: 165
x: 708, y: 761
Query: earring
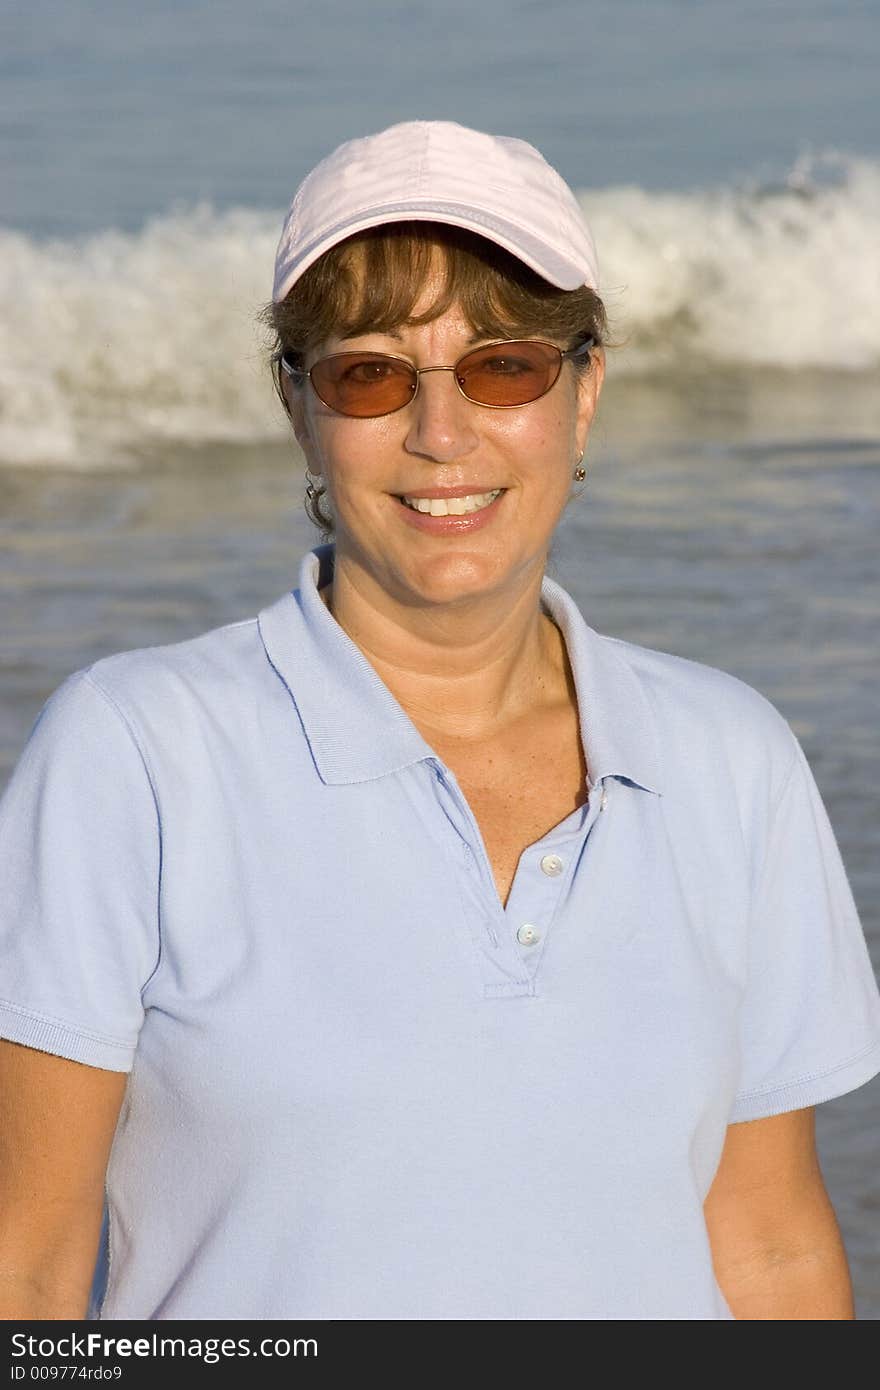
x: 315, y: 489
x: 580, y: 472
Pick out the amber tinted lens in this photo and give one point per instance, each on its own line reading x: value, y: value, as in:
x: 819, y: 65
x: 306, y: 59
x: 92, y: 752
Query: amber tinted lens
x: 509, y: 373
x: 364, y: 383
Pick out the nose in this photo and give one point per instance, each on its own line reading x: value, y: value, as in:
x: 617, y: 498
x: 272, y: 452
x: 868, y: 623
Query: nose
x: 442, y: 424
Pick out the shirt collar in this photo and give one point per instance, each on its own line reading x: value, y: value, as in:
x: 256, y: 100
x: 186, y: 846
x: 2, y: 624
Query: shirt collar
x: 618, y: 727
x: 357, y: 731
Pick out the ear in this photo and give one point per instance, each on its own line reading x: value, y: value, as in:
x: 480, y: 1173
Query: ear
x: 589, y: 388
x: 295, y: 405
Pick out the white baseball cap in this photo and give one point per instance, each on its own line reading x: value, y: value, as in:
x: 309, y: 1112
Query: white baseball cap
x: 439, y: 171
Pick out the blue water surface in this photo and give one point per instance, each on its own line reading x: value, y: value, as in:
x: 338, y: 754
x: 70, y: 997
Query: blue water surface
x: 114, y: 110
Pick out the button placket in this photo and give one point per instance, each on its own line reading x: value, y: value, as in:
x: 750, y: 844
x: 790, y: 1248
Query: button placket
x: 454, y: 809
x: 541, y: 883
x: 504, y: 974
x: 515, y: 935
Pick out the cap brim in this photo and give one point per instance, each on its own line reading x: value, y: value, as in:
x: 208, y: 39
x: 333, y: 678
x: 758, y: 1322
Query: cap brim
x: 553, y: 265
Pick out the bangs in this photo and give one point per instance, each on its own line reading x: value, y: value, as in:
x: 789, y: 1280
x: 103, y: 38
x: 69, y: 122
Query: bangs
x: 372, y: 282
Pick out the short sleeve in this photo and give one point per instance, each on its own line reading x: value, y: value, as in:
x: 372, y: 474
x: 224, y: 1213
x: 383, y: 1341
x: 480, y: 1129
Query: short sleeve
x: 810, y: 1022
x: 79, y: 882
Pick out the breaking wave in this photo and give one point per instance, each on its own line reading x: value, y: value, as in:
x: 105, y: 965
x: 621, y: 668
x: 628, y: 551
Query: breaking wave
x: 117, y: 342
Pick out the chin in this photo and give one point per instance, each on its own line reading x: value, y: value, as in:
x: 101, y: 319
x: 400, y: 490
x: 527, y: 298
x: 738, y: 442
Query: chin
x: 450, y: 579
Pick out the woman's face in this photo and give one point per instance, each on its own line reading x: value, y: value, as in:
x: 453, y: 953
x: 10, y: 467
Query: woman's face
x: 442, y: 446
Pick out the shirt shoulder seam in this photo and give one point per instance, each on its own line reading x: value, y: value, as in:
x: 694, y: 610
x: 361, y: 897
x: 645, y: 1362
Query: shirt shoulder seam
x: 771, y: 822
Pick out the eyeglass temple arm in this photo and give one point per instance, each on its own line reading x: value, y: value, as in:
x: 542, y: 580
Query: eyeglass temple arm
x: 581, y: 348
x: 288, y: 367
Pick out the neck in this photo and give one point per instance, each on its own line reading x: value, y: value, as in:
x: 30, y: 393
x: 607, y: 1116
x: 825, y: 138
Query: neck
x: 463, y: 669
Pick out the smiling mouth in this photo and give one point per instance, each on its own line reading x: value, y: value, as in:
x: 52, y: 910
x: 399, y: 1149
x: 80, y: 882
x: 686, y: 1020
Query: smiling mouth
x: 451, y: 506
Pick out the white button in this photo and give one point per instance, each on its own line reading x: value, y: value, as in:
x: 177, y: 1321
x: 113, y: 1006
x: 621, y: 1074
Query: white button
x: 551, y: 864
x: 527, y: 935
x: 604, y: 802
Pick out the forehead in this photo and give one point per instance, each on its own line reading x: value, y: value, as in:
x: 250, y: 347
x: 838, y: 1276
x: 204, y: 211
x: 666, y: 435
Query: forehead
x: 401, y: 338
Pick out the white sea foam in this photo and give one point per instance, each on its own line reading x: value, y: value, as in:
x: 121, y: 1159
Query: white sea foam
x: 118, y: 342
x: 781, y: 276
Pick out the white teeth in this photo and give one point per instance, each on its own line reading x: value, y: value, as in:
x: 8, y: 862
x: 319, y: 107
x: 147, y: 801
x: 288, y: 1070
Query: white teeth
x: 452, y: 506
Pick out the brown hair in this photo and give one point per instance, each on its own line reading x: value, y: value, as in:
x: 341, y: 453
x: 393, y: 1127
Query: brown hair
x: 372, y: 281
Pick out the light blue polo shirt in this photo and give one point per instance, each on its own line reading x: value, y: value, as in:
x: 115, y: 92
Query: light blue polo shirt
x: 362, y: 1089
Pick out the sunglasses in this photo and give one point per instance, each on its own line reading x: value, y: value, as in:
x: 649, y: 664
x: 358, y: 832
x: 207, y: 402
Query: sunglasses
x: 500, y: 375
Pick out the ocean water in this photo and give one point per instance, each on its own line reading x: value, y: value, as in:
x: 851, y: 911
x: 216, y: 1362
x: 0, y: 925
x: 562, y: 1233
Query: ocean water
x: 728, y: 160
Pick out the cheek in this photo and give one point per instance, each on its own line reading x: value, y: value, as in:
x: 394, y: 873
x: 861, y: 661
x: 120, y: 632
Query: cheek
x: 544, y: 428
x: 355, y: 454
x: 546, y: 443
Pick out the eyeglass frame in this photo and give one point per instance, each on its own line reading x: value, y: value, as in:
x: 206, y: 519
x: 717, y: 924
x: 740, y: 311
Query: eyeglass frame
x: 302, y: 373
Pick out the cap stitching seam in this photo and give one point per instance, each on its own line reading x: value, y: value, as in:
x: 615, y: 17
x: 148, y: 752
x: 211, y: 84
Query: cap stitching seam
x: 461, y: 209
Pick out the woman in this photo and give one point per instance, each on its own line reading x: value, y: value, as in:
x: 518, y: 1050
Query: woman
x: 412, y: 951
